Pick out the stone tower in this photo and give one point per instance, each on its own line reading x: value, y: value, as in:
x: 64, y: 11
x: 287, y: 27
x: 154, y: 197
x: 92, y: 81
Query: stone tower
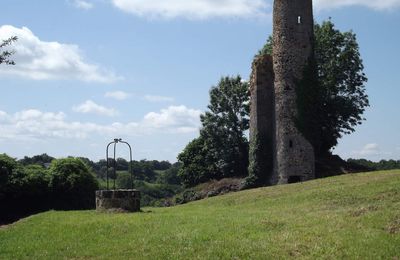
x: 293, y: 35
x: 262, y: 119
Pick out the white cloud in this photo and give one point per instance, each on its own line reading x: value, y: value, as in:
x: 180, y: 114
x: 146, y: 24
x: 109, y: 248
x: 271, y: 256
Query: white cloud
x: 193, y: 9
x: 81, y: 4
x: 202, y: 9
x: 374, y: 4
x: 34, y: 124
x: 155, y: 99
x: 41, y: 60
x: 3, y: 116
x: 371, y: 149
x: 90, y: 107
x: 176, y: 118
x: 118, y: 95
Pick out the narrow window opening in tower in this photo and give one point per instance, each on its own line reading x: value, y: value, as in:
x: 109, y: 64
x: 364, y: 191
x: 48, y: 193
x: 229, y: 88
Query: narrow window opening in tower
x: 299, y: 19
x: 290, y: 143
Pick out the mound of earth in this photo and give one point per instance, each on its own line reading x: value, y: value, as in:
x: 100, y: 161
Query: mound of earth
x: 332, y: 165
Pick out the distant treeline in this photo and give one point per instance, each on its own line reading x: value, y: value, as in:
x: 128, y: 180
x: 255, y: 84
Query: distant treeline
x: 143, y: 170
x: 378, y: 166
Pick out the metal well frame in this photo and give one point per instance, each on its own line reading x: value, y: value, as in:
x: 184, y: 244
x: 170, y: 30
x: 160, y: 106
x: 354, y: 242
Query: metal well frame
x: 115, y: 142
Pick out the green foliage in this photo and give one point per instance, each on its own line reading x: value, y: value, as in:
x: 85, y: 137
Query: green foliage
x: 7, y: 164
x: 42, y: 160
x: 256, y: 177
x: 222, y: 148
x: 17, y: 181
x: 331, y: 96
x: 23, y: 190
x: 197, y: 163
x: 170, y: 175
x: 6, y: 54
x: 122, y: 164
x: 26, y: 182
x: 379, y: 166
x: 161, y: 165
x: 340, y: 73
x: 267, y: 48
x: 353, y: 216
x: 37, y: 179
x: 73, y: 185
x: 224, y: 126
x: 310, y: 103
x: 124, y: 180
x: 143, y: 170
x: 27, y: 187
x: 154, y: 194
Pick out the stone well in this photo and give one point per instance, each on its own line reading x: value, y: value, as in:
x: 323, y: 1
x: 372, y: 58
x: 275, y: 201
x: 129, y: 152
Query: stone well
x: 127, y: 200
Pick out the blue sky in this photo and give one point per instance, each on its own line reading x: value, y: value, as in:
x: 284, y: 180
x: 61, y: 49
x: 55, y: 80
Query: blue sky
x: 88, y: 71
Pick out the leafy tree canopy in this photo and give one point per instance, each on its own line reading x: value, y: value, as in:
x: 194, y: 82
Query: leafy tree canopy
x: 221, y: 150
x: 6, y: 54
x: 37, y: 159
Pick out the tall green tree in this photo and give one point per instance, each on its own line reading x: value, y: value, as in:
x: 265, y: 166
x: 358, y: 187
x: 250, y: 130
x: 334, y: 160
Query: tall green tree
x: 222, y: 148
x: 5, y: 55
x: 342, y: 80
x: 332, y: 96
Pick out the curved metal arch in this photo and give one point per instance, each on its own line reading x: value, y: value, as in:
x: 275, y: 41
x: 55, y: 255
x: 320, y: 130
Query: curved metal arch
x: 130, y: 161
x: 115, y: 142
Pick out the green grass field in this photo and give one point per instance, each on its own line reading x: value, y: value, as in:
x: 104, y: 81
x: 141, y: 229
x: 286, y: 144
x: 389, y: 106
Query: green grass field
x: 352, y: 216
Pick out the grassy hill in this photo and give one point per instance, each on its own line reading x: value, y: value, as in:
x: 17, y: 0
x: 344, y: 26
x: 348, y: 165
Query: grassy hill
x: 351, y: 216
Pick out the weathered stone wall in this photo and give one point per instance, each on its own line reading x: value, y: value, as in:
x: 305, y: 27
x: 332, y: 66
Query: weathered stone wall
x: 261, y: 119
x: 293, y: 47
x: 127, y: 200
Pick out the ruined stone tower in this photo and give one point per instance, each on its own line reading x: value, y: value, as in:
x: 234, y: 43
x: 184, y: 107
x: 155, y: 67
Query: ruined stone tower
x: 293, y: 36
x: 279, y: 152
x: 262, y: 119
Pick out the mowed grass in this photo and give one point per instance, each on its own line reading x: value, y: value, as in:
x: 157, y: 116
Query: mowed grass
x: 351, y: 216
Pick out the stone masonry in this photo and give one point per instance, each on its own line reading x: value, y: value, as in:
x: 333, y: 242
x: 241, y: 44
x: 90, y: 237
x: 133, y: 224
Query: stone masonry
x: 126, y: 200
x: 262, y: 114
x: 293, y: 155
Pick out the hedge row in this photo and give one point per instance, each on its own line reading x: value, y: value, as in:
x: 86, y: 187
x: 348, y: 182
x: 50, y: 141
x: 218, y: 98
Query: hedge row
x: 67, y: 184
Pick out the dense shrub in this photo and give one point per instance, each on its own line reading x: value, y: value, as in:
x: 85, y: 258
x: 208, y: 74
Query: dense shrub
x: 73, y: 185
x: 197, y: 164
x: 23, y: 190
x: 7, y: 164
